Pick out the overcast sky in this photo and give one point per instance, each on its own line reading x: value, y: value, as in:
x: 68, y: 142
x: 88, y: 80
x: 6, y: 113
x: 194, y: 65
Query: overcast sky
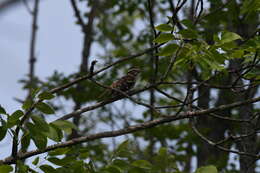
x: 58, y: 46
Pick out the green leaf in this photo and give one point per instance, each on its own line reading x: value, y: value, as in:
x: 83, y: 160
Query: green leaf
x: 35, y: 92
x: 22, y: 167
x: 188, y: 33
x: 36, y: 161
x: 237, y: 53
x: 33, y: 171
x: 61, y: 162
x: 207, y: 169
x: 188, y: 23
x: 54, y: 133
x: 162, y: 152
x: 163, y: 159
x: 47, y: 169
x: 14, y: 118
x: 124, y: 145
x: 46, y: 95
x: 65, y: 125
x: 2, y: 110
x: 164, y: 27
x: 27, y: 104
x: 6, y: 168
x: 123, y: 149
x: 212, y: 64
x: 162, y: 38
x: 3, y: 131
x: 56, y: 161
x: 253, y: 74
x: 40, y: 141
x: 84, y: 155
x: 17, y: 114
x: 168, y: 50
x: 249, y: 7
x: 112, y: 169
x: 91, y: 167
x: 25, y: 141
x: 38, y: 138
x: 142, y: 164
x: 123, y: 164
x: 228, y: 37
x: 59, y: 151
x: 220, y: 58
x: 40, y: 122
x: 45, y: 108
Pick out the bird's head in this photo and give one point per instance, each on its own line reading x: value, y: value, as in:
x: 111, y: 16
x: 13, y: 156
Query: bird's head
x: 134, y: 71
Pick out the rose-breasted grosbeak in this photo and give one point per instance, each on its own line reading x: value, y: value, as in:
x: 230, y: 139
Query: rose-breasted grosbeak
x: 125, y: 83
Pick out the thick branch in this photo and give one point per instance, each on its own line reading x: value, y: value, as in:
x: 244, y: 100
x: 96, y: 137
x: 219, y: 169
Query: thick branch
x: 130, y: 129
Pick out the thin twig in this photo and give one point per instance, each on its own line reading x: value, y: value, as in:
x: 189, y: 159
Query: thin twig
x: 125, y: 95
x: 100, y: 104
x: 27, y: 7
x: 88, y: 76
x: 216, y: 10
x: 226, y: 118
x: 169, y: 96
x: 200, y: 12
x: 172, y: 62
x: 246, y: 71
x: 77, y: 14
x: 175, y: 18
x: 154, y: 58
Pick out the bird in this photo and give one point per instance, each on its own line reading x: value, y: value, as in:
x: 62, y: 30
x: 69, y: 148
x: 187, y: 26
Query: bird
x: 123, y: 84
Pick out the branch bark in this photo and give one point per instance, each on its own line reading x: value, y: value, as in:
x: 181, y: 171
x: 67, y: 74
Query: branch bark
x: 131, y: 129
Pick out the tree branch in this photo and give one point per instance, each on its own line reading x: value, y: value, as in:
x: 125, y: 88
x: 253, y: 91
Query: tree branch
x: 31, y: 70
x: 131, y: 129
x: 77, y: 14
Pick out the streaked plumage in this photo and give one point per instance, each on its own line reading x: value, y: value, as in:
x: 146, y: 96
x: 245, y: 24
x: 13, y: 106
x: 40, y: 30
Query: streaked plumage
x: 125, y: 83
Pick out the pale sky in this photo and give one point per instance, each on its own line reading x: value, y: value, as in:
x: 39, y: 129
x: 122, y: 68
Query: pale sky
x: 58, y: 46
